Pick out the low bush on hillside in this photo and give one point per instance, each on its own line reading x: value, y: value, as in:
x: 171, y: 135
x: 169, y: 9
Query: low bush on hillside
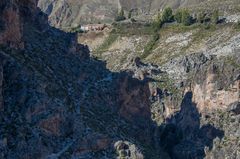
x: 237, y: 26
x: 183, y: 16
x: 215, y: 17
x: 150, y: 45
x: 202, y: 17
x: 107, y: 43
x: 120, y: 16
x: 167, y: 15
x: 133, y: 28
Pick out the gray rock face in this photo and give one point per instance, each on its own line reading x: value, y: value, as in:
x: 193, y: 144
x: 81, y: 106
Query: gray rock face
x: 235, y: 108
x: 127, y: 150
x: 66, y: 14
x: 233, y: 18
x: 178, y: 68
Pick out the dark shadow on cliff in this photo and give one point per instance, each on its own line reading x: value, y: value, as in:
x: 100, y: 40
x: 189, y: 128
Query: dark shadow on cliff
x: 183, y: 136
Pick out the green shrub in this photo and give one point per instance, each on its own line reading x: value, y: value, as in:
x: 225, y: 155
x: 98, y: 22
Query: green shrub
x: 201, y: 17
x: 164, y: 17
x: 121, y: 13
x: 183, y: 16
x: 178, y: 16
x: 237, y: 26
x: 215, y: 17
x: 186, y: 17
x: 157, y: 23
x: 167, y: 15
x: 150, y: 45
x: 120, y: 16
x: 129, y: 14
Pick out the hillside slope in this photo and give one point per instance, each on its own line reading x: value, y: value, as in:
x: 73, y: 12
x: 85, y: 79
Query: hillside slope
x: 72, y: 13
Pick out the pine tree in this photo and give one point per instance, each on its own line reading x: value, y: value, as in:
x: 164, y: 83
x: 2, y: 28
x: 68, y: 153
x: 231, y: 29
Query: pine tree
x: 178, y: 16
x: 167, y: 15
x: 120, y: 16
x: 186, y: 17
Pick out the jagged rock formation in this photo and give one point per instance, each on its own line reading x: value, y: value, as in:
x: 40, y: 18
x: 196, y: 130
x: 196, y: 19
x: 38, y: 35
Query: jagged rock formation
x: 58, y: 102
x: 208, y: 110
x: 214, y: 85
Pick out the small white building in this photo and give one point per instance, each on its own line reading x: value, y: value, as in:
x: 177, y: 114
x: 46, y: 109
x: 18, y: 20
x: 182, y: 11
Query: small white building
x: 93, y: 27
x: 84, y: 28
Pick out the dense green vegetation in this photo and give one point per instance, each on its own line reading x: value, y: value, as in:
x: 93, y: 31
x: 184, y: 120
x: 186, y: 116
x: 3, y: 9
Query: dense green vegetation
x: 184, y: 19
x: 167, y: 15
x: 183, y: 16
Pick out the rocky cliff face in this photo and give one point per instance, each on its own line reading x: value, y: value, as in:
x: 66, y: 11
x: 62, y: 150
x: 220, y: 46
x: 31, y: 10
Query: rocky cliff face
x: 1, y: 84
x: 12, y: 21
x: 205, y: 123
x: 56, y: 101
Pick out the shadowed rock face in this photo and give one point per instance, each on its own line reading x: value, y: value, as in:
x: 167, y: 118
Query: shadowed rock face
x: 1, y: 84
x: 13, y: 14
x: 191, y: 137
x: 213, y: 81
x: 58, y: 102
x: 11, y: 25
x: 55, y: 99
